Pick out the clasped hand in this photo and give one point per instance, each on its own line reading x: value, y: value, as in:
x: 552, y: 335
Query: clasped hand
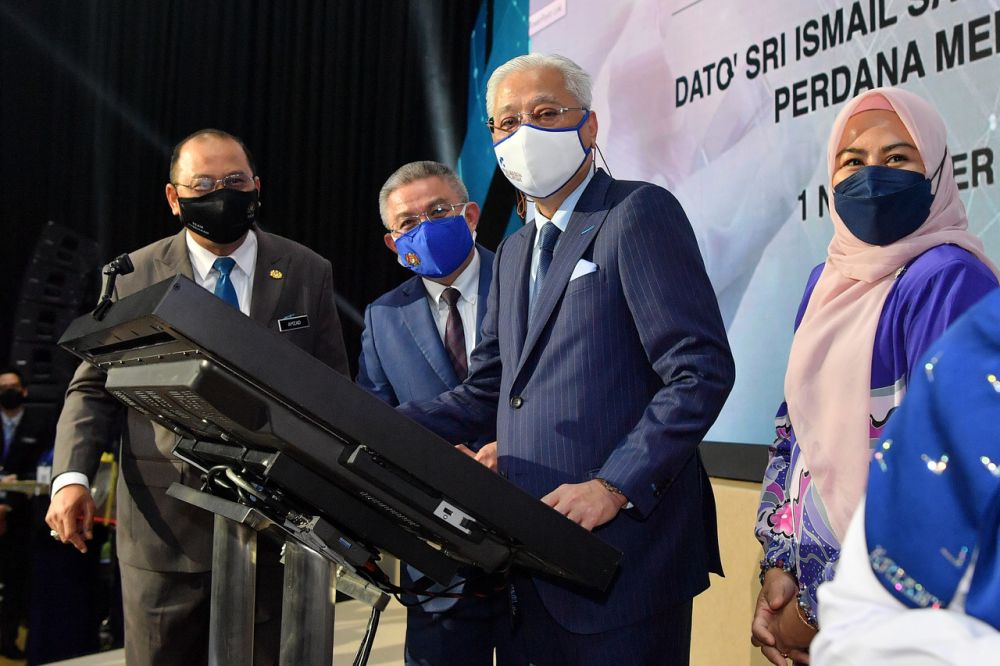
x: 777, y: 628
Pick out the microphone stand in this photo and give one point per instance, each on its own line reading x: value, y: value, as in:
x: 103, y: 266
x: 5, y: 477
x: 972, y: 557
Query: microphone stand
x: 120, y: 265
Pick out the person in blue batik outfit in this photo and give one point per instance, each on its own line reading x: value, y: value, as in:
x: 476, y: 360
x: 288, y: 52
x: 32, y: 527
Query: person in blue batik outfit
x: 919, y: 578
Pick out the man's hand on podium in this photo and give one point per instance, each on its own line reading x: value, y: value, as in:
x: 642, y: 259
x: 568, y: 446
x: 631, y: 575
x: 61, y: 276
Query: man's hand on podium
x: 487, y: 455
x: 589, y: 504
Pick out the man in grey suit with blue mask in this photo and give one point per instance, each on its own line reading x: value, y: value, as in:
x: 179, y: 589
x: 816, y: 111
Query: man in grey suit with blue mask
x: 416, y: 344
x: 603, y: 362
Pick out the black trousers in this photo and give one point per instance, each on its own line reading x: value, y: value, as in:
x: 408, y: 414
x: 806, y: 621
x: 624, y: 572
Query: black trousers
x: 15, y: 569
x: 538, y: 639
x: 67, y: 590
x: 463, y: 635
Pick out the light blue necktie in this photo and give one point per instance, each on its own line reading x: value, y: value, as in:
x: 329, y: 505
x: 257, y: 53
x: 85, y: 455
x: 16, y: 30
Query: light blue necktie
x: 224, y: 288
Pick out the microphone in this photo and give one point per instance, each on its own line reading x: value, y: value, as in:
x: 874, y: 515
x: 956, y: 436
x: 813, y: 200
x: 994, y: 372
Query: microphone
x: 120, y: 265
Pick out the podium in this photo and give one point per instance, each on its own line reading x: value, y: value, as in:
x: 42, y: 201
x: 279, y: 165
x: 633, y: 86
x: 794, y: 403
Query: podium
x: 290, y: 447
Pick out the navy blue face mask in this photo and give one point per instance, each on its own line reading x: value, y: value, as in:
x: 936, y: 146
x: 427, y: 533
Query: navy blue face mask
x: 435, y: 248
x: 880, y: 205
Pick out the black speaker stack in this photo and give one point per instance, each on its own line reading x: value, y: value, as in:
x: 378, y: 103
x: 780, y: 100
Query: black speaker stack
x: 61, y: 282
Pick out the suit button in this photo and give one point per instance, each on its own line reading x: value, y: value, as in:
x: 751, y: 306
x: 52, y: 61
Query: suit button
x: 516, y: 402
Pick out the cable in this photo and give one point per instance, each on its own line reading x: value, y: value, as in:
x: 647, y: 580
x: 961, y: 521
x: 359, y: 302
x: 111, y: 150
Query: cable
x: 365, y: 649
x: 446, y: 593
x: 606, y: 167
x: 244, y: 485
x: 212, y: 476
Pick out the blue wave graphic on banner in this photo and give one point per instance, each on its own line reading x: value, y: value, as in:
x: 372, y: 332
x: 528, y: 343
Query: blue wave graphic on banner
x: 507, y: 38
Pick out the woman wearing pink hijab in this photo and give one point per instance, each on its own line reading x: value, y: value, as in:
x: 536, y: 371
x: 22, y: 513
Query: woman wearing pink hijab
x: 900, y: 268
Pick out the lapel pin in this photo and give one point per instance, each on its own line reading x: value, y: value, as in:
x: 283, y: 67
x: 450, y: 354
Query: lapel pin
x: 276, y: 274
x: 586, y: 230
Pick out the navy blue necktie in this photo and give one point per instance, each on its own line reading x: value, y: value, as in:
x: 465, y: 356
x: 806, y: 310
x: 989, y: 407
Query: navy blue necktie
x: 224, y: 288
x: 8, y: 437
x: 454, y: 334
x: 548, y: 236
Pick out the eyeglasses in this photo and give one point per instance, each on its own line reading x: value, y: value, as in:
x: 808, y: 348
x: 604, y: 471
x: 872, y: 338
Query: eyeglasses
x: 438, y: 212
x: 205, y: 184
x: 549, y: 116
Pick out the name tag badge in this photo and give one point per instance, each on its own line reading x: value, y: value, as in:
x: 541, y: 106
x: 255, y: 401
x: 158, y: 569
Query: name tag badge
x: 293, y: 323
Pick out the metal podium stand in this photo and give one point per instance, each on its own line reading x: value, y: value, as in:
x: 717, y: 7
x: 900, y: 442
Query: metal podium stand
x: 234, y: 585
x: 307, y: 614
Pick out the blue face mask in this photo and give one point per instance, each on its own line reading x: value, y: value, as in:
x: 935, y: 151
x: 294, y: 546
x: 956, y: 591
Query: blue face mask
x: 880, y: 205
x: 435, y: 248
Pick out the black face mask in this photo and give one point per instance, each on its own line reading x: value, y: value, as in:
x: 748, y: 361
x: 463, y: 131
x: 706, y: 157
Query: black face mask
x: 11, y: 399
x: 222, y: 216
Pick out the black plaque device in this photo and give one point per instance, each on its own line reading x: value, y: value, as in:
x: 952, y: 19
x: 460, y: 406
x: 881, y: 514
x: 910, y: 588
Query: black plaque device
x: 243, y: 398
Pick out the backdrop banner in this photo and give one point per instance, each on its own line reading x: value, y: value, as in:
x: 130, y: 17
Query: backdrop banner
x: 729, y: 104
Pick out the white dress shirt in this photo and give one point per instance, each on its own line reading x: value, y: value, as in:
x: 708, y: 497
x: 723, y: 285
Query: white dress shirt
x: 861, y: 623
x: 241, y: 276
x: 561, y: 219
x: 467, y: 284
x: 205, y: 276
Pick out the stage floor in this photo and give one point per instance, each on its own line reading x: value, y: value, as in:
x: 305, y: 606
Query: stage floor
x: 349, y: 626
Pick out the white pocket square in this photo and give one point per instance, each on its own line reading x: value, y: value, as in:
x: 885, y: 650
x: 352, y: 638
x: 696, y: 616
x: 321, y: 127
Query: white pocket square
x: 583, y: 267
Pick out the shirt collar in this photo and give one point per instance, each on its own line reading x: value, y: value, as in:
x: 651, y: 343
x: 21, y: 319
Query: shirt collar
x: 467, y: 283
x: 202, y: 259
x: 561, y: 216
x: 11, y: 420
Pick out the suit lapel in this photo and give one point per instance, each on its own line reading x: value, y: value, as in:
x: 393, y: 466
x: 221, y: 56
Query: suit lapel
x: 417, y: 318
x: 174, y: 260
x: 485, y: 273
x: 519, y: 248
x: 583, y: 227
x: 267, y: 289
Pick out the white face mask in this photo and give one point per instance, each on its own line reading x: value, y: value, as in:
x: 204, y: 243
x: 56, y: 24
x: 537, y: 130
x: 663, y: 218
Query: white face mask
x: 540, y: 161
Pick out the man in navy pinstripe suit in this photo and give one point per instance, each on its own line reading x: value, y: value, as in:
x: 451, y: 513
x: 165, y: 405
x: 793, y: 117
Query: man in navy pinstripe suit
x: 603, y: 361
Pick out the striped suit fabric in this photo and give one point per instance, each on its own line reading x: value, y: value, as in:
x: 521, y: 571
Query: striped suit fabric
x: 618, y: 374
